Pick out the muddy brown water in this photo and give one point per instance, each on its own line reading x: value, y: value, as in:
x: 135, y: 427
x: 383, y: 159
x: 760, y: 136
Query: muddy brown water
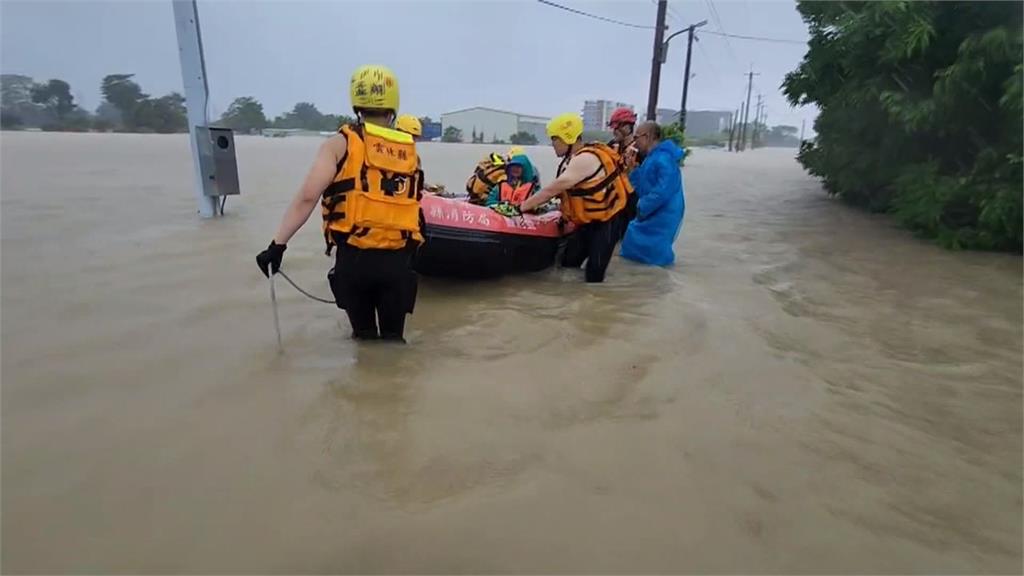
x: 809, y: 390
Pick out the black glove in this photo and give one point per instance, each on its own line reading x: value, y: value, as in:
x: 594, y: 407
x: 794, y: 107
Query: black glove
x: 271, y: 258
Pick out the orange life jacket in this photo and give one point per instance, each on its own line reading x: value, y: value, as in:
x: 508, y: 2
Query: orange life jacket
x: 515, y: 194
x: 374, y: 200
x: 487, y: 174
x: 600, y: 196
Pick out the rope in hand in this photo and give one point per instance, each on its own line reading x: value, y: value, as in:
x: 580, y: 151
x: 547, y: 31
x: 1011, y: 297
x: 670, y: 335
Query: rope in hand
x: 304, y: 293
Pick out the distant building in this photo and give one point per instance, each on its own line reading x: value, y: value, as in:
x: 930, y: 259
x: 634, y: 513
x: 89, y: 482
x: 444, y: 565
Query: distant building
x: 699, y: 123
x: 494, y: 124
x: 666, y: 116
x: 596, y: 113
x: 431, y: 130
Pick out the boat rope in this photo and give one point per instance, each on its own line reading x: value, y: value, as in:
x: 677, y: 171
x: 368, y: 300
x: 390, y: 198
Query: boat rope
x: 303, y: 292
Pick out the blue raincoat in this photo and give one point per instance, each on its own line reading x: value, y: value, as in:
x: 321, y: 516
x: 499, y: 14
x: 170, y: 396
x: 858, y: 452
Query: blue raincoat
x: 659, y: 186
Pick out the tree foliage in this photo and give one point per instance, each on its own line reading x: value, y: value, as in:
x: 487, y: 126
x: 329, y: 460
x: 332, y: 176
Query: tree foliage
x: 451, y: 134
x: 921, y: 113
x: 523, y: 138
x: 164, y: 115
x: 245, y: 115
x: 55, y: 95
x: 124, y: 94
x: 306, y: 116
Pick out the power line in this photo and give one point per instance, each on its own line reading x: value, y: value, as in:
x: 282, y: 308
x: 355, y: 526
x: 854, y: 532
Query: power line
x: 595, y: 16
x: 762, y: 39
x: 672, y: 13
x: 721, y: 28
x: 711, y: 64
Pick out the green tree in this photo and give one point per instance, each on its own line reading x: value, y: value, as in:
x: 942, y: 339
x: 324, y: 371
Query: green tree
x: 921, y: 113
x: 672, y: 132
x: 124, y: 94
x: 164, y: 115
x: 245, y: 114
x: 10, y: 120
x: 303, y: 116
x: 16, y: 106
x: 55, y: 95
x: 523, y: 138
x: 451, y: 134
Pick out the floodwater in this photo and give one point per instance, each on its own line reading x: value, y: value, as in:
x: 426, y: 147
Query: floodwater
x: 809, y: 390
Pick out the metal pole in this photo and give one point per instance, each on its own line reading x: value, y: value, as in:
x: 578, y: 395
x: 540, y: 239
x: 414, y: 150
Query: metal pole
x: 273, y: 303
x: 659, y: 35
x: 732, y: 129
x: 193, y: 77
x: 746, y: 112
x: 686, y: 80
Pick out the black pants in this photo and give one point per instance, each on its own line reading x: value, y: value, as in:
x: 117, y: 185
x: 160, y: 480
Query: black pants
x: 628, y: 213
x: 374, y: 287
x: 595, y: 243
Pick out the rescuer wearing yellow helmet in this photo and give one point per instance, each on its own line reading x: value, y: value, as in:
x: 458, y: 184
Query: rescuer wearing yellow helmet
x: 366, y: 181
x: 410, y: 125
x: 593, y: 190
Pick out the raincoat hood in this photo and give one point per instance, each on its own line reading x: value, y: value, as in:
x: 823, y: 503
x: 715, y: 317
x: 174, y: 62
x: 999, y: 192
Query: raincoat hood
x: 524, y: 161
x: 671, y: 148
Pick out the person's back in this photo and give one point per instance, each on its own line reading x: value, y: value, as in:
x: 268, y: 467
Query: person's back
x: 488, y: 173
x: 367, y: 182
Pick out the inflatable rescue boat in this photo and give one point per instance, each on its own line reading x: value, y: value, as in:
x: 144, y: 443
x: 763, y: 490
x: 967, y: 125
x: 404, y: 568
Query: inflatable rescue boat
x: 471, y: 241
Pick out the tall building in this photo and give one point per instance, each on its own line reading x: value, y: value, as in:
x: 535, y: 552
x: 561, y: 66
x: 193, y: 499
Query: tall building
x: 597, y: 112
x: 494, y: 124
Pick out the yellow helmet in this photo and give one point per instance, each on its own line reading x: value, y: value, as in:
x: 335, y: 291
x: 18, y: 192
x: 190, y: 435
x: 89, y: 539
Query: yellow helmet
x: 374, y: 87
x: 568, y: 127
x: 515, y: 151
x: 409, y: 124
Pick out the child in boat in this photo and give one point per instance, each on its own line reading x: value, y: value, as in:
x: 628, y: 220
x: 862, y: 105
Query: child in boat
x: 520, y: 183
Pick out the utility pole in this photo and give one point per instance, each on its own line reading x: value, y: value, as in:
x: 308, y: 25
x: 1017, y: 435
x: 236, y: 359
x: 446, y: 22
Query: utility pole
x: 686, y: 74
x: 735, y: 132
x: 193, y: 76
x: 732, y: 128
x: 659, y: 35
x: 802, y: 124
x: 746, y: 112
x: 756, y: 133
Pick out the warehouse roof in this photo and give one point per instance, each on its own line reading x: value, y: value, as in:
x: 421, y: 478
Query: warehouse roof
x: 529, y: 116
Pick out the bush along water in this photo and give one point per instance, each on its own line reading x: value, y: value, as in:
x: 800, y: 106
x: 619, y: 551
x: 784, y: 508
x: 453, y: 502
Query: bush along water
x: 921, y: 113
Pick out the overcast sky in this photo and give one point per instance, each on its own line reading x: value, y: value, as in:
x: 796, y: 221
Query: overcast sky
x: 448, y: 54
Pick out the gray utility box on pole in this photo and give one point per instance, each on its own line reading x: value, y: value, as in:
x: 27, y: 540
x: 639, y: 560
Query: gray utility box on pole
x: 217, y: 161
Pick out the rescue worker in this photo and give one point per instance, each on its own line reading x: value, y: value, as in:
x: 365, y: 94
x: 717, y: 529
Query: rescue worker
x: 593, y: 190
x: 488, y: 173
x: 410, y: 125
x: 365, y: 180
x: 520, y: 183
x: 622, y: 122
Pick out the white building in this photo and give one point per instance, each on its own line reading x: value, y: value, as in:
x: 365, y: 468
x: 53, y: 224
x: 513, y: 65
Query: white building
x: 596, y: 113
x: 494, y: 124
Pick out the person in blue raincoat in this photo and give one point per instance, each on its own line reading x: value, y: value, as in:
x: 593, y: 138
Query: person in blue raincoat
x: 658, y: 183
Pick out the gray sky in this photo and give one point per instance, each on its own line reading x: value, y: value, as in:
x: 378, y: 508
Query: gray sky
x: 448, y: 54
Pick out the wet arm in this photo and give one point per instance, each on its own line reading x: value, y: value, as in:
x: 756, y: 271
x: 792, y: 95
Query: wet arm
x: 320, y: 176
